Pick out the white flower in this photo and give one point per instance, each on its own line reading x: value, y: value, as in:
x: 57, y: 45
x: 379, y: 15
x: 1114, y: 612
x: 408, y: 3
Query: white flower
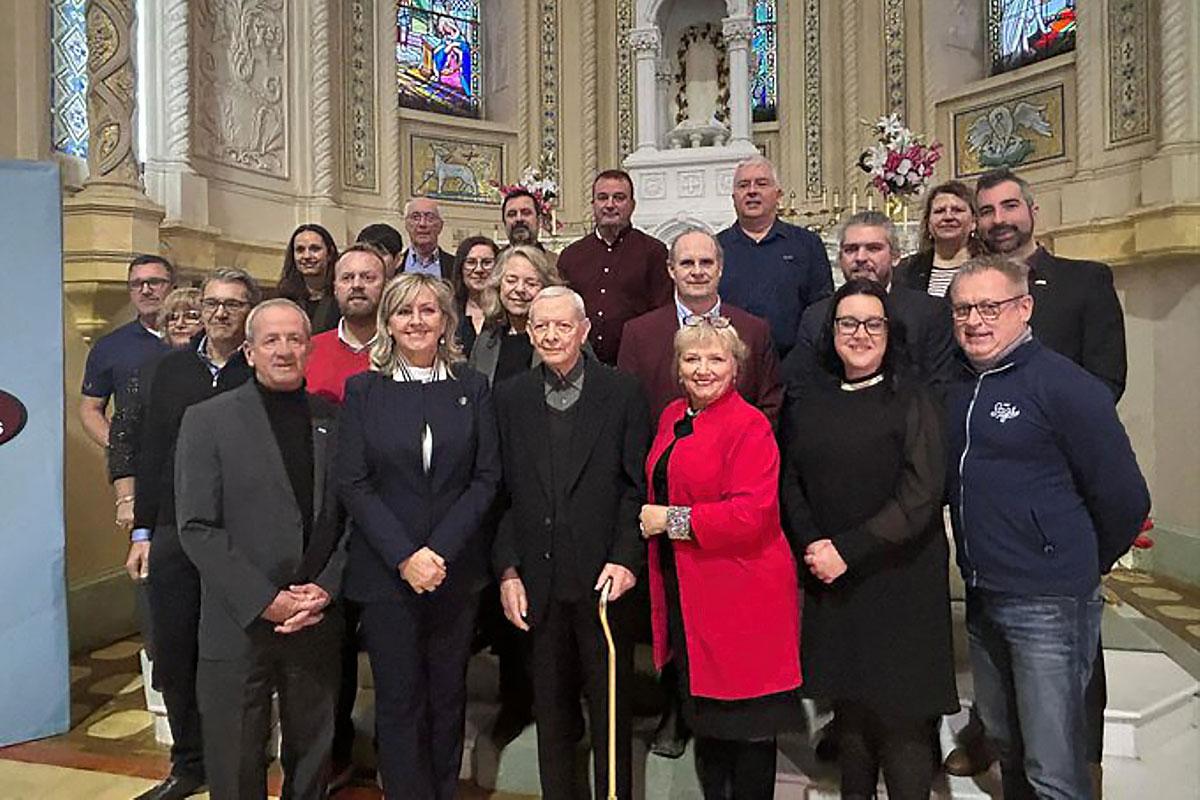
x: 904, y: 166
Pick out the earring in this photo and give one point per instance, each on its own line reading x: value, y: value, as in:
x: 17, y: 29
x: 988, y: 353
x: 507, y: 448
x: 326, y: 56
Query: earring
x: 442, y: 340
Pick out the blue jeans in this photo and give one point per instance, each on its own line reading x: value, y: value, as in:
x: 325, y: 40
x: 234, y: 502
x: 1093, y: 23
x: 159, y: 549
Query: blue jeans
x: 1032, y: 657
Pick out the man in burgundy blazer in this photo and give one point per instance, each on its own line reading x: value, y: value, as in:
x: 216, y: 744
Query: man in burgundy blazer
x: 647, y: 342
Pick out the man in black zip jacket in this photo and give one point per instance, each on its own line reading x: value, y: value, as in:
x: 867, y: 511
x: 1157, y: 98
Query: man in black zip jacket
x: 1045, y: 495
x: 212, y: 364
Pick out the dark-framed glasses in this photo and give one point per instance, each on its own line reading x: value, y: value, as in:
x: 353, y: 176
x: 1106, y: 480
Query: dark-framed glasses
x: 138, y: 284
x: 696, y: 320
x: 479, y: 264
x: 416, y: 217
x: 211, y: 304
x: 989, y: 310
x: 848, y: 326
x: 191, y: 315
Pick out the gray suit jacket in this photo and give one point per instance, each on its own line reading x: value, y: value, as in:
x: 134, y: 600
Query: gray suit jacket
x: 485, y: 353
x: 239, y: 521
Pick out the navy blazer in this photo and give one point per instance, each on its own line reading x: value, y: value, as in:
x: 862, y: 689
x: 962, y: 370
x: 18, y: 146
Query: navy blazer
x: 395, y: 507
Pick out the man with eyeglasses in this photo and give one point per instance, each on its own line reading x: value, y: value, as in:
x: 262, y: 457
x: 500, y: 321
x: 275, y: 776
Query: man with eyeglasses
x: 868, y: 248
x: 213, y: 363
x: 617, y: 269
x: 423, y: 222
x: 1045, y: 494
x: 115, y: 357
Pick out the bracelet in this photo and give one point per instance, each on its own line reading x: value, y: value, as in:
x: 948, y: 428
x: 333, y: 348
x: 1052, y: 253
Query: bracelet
x: 679, y: 523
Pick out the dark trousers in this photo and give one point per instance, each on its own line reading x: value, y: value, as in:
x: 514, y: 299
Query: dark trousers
x: 174, y: 590
x: 343, y: 725
x: 235, y: 700
x: 570, y: 655
x: 903, y: 750
x: 736, y: 770
x: 419, y: 647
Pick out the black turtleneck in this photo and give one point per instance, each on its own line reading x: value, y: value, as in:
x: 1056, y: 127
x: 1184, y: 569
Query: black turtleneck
x: 291, y: 422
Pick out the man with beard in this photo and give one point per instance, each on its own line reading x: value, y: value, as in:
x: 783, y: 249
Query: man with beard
x: 522, y: 221
x: 1076, y: 313
x: 212, y: 364
x: 358, y: 280
x: 619, y: 270
x: 423, y: 222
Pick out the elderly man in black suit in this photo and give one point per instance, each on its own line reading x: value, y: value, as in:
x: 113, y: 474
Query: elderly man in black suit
x: 573, y: 437
x: 868, y: 248
x: 259, y: 518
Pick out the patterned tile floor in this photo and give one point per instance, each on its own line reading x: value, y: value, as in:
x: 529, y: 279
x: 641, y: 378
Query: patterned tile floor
x: 1171, y: 603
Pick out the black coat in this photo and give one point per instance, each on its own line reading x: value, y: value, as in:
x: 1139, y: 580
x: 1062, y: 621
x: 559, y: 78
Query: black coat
x: 608, y: 451
x: 1076, y: 313
x: 395, y: 507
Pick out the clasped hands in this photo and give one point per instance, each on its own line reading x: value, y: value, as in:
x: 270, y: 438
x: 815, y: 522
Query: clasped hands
x: 824, y: 561
x: 424, y: 570
x: 297, y: 607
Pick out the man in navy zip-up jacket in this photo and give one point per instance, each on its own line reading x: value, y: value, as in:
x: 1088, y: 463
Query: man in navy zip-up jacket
x: 1045, y: 494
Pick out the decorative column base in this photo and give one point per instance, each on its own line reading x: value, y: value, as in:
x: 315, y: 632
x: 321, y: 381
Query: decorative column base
x: 182, y: 192
x: 104, y: 226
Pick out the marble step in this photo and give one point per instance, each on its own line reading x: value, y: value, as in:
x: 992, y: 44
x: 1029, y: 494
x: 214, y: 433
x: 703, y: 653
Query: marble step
x: 1151, y: 701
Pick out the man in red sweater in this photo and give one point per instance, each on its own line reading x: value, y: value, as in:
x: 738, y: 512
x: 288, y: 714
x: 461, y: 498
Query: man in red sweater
x: 346, y: 350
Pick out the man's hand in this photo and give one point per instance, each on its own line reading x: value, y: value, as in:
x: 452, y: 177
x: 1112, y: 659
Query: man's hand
x: 652, y: 520
x: 300, y: 621
x: 622, y: 580
x: 824, y: 561
x: 424, y: 570
x: 288, y: 604
x: 137, y: 563
x: 513, y: 600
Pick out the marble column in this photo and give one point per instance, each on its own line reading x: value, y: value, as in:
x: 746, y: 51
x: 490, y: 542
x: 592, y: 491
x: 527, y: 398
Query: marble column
x: 111, y: 94
x: 664, y: 81
x: 645, y: 44
x: 738, y: 32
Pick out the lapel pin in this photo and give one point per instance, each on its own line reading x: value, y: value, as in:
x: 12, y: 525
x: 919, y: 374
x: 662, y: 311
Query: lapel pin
x: 462, y: 400
x: 320, y: 429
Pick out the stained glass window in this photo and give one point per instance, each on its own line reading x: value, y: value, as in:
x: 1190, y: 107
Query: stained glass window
x: 1025, y: 31
x: 764, y: 46
x: 438, y: 56
x: 69, y: 79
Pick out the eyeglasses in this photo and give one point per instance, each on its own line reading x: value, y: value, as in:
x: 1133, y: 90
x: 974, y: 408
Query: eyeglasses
x: 211, y: 305
x: 989, y: 310
x: 696, y: 320
x: 186, y: 316
x: 423, y: 216
x: 848, y: 326
x: 138, y: 284
x: 479, y: 264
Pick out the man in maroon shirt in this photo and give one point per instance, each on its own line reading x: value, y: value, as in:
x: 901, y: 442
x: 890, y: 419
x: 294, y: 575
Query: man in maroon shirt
x: 620, y: 271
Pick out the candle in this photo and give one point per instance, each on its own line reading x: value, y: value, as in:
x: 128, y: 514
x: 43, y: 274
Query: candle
x: 854, y: 202
x: 870, y: 201
x: 837, y: 200
x: 825, y: 197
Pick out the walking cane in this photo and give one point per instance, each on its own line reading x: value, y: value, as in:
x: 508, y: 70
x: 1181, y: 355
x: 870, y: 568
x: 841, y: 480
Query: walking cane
x: 612, y: 691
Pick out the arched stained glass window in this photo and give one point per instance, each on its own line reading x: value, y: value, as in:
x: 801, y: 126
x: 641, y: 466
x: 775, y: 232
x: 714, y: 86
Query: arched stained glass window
x: 438, y: 61
x: 764, y: 88
x: 1024, y: 31
x: 69, y: 78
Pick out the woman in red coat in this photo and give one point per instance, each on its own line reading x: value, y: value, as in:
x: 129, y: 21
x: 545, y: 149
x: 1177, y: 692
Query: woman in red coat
x: 723, y: 589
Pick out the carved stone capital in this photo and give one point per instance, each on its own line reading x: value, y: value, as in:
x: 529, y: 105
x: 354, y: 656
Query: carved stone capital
x: 737, y: 30
x: 644, y: 41
x: 111, y: 93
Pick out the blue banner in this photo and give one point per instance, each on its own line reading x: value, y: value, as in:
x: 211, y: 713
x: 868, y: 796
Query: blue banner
x: 34, y: 682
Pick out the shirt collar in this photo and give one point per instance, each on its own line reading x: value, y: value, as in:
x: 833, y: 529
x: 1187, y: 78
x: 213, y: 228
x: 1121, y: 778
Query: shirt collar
x: 344, y: 339
x: 415, y: 258
x: 683, y: 312
x: 777, y: 229
x: 155, y: 332
x: 573, y: 379
x: 620, y: 235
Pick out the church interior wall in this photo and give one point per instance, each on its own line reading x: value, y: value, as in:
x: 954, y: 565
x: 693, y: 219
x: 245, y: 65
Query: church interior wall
x: 336, y: 149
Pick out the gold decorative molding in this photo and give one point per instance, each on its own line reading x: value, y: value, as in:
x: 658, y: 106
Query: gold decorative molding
x: 1143, y: 237
x: 813, y: 166
x: 549, y: 160
x: 358, y: 96
x: 624, y: 79
x: 1128, y: 70
x: 894, y: 64
x: 111, y: 96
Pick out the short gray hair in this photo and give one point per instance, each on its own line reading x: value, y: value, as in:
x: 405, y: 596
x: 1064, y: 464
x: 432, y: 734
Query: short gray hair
x: 276, y: 302
x: 697, y: 229
x: 757, y: 160
x: 235, y: 275
x: 408, y: 205
x: 871, y: 219
x: 551, y: 292
x: 1015, y: 271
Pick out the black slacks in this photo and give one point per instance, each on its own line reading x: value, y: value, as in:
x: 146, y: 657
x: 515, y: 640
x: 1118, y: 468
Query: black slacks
x: 174, y: 593
x: 419, y: 647
x: 868, y: 743
x: 736, y: 770
x: 570, y: 655
x: 343, y: 726
x: 235, y: 701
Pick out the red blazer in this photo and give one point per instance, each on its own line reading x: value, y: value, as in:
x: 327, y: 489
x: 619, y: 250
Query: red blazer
x: 738, y: 589
x: 647, y: 352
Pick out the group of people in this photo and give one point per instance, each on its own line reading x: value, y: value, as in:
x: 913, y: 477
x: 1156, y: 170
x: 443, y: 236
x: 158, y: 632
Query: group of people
x: 412, y: 452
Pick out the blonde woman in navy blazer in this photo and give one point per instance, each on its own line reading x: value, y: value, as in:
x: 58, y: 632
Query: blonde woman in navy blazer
x: 418, y: 468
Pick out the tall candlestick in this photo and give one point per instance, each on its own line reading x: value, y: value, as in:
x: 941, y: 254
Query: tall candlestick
x: 854, y: 202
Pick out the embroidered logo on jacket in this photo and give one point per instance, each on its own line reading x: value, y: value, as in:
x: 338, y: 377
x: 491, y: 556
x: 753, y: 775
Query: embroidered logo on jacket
x: 1004, y: 412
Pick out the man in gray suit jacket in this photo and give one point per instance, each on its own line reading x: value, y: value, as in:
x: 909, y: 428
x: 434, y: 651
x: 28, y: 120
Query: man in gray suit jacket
x: 258, y: 517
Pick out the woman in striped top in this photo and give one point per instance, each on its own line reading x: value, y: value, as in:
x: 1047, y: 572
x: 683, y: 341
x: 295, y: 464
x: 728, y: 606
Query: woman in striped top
x: 948, y: 239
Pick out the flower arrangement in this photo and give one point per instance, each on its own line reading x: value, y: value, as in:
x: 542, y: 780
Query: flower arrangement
x: 544, y: 190
x: 900, y: 163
